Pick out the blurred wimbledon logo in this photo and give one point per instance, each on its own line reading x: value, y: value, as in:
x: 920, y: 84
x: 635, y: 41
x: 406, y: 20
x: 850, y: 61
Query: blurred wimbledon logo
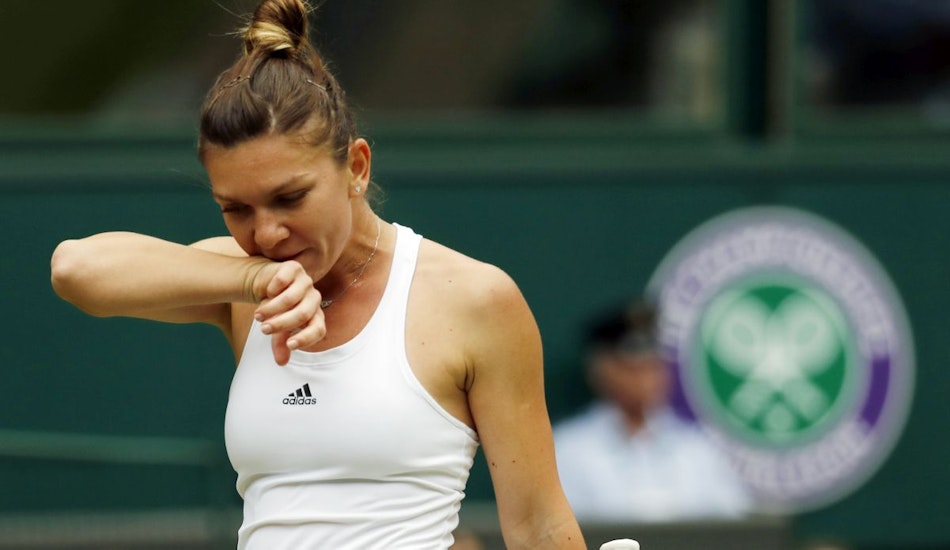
x: 791, y: 349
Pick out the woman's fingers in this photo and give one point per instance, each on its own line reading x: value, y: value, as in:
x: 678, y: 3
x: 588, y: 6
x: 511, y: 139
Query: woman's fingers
x: 291, y: 312
x: 278, y: 345
x: 276, y: 278
x: 284, y: 342
x: 287, y: 288
x: 287, y: 274
x: 314, y: 331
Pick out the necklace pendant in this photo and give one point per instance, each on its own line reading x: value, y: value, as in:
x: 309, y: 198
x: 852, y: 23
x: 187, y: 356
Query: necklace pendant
x: 325, y: 304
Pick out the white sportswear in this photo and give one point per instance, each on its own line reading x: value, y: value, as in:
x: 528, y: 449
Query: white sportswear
x: 344, y: 448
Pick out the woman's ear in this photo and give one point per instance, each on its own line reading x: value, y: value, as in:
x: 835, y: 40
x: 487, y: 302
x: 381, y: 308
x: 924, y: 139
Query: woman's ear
x: 359, y: 162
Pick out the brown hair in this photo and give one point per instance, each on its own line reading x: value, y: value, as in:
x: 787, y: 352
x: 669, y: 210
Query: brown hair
x: 279, y: 85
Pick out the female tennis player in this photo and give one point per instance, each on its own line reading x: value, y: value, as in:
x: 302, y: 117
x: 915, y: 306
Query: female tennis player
x: 371, y: 361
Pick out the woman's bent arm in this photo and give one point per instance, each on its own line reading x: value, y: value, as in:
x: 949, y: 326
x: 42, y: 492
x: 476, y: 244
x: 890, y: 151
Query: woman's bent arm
x: 507, y: 403
x: 133, y: 275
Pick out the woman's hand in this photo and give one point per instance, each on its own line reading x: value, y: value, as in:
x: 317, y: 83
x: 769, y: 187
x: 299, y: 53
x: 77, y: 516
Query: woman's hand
x: 289, y: 309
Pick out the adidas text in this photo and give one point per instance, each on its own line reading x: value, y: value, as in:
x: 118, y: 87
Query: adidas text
x: 300, y: 400
x: 300, y: 397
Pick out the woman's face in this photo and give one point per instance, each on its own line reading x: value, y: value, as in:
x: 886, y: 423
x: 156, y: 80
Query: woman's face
x: 286, y: 200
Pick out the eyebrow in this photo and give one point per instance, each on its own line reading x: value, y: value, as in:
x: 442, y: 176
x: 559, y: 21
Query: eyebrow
x: 294, y: 180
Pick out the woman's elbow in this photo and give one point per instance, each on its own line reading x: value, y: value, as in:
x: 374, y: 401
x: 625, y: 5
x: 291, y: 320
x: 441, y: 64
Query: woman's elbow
x: 63, y: 267
x: 69, y: 277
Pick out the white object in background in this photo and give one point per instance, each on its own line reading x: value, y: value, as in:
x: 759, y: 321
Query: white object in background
x: 621, y: 544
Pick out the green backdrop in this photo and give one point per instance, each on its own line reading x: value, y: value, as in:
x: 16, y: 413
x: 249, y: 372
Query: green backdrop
x: 578, y: 226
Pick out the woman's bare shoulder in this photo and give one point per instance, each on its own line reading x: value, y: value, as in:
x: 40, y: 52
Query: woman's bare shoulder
x: 448, y: 266
x: 458, y: 280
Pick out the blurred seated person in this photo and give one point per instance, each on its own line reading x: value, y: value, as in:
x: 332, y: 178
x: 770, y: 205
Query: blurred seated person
x: 628, y: 457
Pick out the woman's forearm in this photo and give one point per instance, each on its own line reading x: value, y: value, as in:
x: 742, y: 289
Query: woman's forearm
x: 128, y: 274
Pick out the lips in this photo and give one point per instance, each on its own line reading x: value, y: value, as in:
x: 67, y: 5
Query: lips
x: 295, y: 256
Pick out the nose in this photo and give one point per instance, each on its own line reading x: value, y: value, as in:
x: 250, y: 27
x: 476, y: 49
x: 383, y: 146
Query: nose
x: 269, y: 231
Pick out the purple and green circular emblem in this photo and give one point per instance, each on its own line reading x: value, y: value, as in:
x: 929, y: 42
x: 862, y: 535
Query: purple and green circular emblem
x: 790, y: 347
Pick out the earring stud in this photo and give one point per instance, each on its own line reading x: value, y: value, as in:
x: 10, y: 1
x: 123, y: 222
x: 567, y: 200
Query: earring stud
x: 358, y: 189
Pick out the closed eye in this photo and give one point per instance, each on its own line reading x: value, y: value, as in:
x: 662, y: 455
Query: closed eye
x: 233, y: 208
x: 290, y: 199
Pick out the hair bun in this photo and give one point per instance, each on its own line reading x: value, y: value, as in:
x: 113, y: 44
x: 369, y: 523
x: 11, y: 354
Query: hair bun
x: 278, y: 26
x: 278, y: 86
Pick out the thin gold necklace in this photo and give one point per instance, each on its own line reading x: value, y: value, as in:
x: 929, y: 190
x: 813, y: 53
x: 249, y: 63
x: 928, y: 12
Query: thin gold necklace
x: 327, y: 303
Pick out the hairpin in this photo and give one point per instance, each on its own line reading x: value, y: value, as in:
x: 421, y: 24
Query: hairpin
x: 312, y: 83
x: 236, y: 80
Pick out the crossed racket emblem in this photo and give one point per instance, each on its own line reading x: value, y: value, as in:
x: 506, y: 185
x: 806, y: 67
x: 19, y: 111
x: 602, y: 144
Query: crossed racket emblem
x: 777, y: 353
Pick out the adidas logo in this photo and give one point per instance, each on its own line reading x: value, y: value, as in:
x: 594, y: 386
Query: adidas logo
x: 301, y: 397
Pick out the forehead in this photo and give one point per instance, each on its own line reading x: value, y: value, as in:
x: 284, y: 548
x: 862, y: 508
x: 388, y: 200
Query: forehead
x: 263, y: 164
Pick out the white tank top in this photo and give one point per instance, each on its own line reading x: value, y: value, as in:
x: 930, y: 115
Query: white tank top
x: 344, y: 448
